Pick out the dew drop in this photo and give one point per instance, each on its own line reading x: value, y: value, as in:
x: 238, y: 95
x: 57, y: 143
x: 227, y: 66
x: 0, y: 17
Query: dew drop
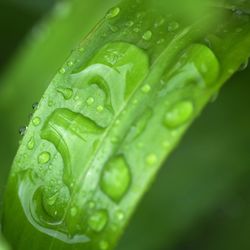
x: 36, y: 121
x: 146, y: 89
x: 98, y: 220
x: 31, y: 144
x: 100, y: 108
x: 173, y: 26
x: 244, y: 65
x: 70, y: 63
x: 115, y: 178
x: 35, y: 106
x: 44, y: 158
x: 113, y: 13
x: 22, y: 130
x: 120, y: 215
x: 66, y: 92
x: 151, y: 159
x: 90, y: 101
x: 160, y: 41
x: 136, y: 30
x: 104, y: 245
x: 62, y: 71
x: 179, y: 114
x: 147, y: 35
x: 129, y: 24
x: 73, y: 211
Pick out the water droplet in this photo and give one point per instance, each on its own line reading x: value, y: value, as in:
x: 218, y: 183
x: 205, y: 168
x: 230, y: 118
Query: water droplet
x: 115, y: 178
x: 173, y: 26
x: 151, y: 159
x: 146, y: 88
x: 44, y: 157
x: 22, y: 130
x: 81, y: 49
x: 244, y: 65
x: 136, y: 30
x: 129, y: 24
x: 31, y: 144
x: 90, y: 101
x: 98, y: 220
x: 120, y: 215
x: 36, y: 121
x: 179, y: 114
x: 160, y: 41
x: 66, y: 92
x: 113, y: 13
x: 100, y: 108
x: 73, y: 211
x: 104, y: 245
x: 70, y: 63
x: 35, y: 106
x: 62, y: 70
x: 147, y: 35
x: 113, y: 28
x: 159, y: 22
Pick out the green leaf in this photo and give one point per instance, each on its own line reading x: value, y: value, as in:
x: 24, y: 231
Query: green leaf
x: 110, y: 117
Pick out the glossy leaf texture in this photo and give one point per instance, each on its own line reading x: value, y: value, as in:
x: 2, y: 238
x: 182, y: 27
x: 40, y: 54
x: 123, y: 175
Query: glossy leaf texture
x: 110, y: 117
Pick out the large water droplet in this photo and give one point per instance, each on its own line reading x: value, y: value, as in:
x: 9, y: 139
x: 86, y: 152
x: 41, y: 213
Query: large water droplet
x: 115, y: 178
x: 179, y: 114
x: 113, y: 13
x: 66, y: 92
x: 44, y: 157
x: 98, y: 220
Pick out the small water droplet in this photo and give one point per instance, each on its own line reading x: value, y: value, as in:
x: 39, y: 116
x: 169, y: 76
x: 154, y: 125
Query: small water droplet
x: 162, y: 40
x: 70, y: 63
x: 129, y: 24
x: 151, y: 159
x: 31, y: 144
x: 173, y: 26
x: 62, y: 71
x: 44, y: 157
x: 22, y: 130
x: 104, y: 245
x: 179, y: 114
x: 98, y: 220
x: 81, y: 49
x: 35, y: 106
x: 136, y: 30
x: 147, y: 35
x: 113, y: 13
x: 73, y: 211
x: 100, y: 108
x: 115, y: 178
x: 36, y: 121
x: 244, y: 65
x: 66, y: 92
x: 90, y: 101
x: 146, y: 89
x: 159, y: 22
x: 120, y: 215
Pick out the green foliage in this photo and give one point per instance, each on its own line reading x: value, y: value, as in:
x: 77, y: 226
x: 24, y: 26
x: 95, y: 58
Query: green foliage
x: 109, y: 118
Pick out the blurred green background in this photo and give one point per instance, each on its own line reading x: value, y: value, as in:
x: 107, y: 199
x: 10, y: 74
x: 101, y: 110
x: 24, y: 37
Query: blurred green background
x: 201, y: 199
